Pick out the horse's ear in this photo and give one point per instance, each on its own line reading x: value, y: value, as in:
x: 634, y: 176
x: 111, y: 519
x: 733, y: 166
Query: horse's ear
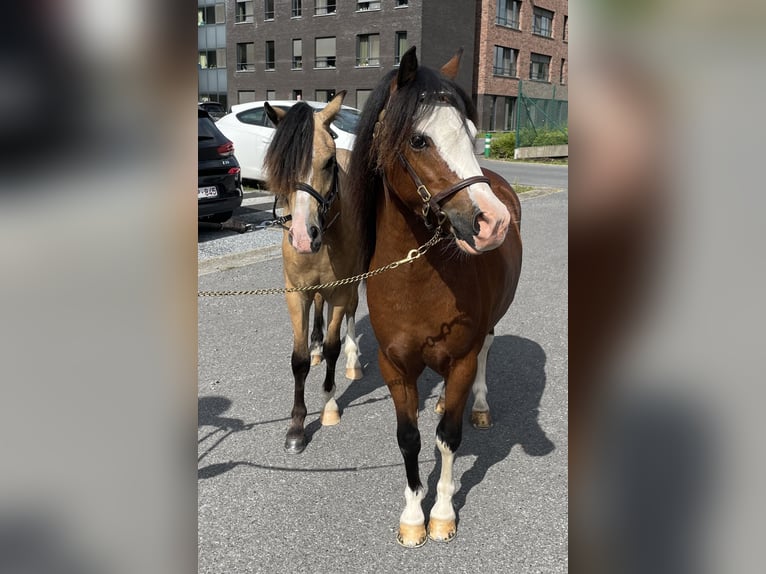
x: 451, y: 68
x: 328, y: 113
x: 275, y: 114
x: 408, y: 67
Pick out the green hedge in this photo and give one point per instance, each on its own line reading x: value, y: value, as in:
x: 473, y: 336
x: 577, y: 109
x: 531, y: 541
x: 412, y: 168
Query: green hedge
x: 503, y: 144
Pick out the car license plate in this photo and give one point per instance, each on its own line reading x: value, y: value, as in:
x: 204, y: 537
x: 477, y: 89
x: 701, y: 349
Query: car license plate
x: 207, y: 192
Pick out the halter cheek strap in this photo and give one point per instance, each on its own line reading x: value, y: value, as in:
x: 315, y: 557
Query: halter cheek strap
x: 432, y: 203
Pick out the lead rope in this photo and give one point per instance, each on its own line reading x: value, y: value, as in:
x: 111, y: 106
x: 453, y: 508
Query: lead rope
x: 411, y: 256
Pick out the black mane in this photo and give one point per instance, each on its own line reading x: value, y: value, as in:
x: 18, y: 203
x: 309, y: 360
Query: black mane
x: 288, y: 159
x: 375, y: 150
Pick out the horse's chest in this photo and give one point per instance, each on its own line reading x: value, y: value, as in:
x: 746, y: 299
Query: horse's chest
x: 426, y: 318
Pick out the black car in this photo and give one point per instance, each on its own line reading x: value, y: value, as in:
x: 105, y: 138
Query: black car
x: 219, y: 181
x: 216, y: 110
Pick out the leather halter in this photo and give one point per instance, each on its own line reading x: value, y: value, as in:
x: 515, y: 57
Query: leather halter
x: 431, y: 202
x: 325, y: 203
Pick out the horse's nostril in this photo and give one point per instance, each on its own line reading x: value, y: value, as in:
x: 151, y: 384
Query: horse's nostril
x: 314, y: 231
x: 477, y: 219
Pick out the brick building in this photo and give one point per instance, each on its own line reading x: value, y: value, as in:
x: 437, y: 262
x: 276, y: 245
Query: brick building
x: 519, y: 43
x: 286, y: 49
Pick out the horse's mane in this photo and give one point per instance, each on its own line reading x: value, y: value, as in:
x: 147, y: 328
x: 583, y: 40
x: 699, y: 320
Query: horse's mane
x: 375, y: 150
x: 288, y: 159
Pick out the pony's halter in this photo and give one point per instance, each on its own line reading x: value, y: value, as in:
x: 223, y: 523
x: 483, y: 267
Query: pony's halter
x: 324, y: 202
x: 432, y: 203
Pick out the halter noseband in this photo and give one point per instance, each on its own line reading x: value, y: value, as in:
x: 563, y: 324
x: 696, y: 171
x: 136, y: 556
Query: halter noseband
x: 432, y: 203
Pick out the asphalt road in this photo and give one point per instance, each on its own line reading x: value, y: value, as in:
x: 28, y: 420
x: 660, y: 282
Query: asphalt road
x: 335, y: 507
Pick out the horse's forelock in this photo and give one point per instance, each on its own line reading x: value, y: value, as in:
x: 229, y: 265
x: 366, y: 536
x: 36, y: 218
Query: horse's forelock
x: 288, y: 159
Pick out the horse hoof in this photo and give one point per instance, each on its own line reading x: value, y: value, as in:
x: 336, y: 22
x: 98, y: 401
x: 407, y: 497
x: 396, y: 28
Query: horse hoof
x: 295, y: 445
x: 411, y: 535
x: 481, y: 420
x: 439, y: 408
x: 329, y: 418
x: 316, y: 359
x: 353, y: 374
x: 441, y: 530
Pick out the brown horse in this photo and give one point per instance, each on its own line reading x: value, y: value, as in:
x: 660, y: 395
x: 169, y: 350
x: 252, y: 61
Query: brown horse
x: 414, y: 175
x: 308, y: 173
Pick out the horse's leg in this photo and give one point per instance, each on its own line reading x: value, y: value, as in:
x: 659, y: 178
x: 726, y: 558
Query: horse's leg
x: 404, y: 391
x: 298, y: 305
x: 330, y: 413
x: 317, y: 333
x: 480, y: 417
x: 439, y: 408
x: 442, y: 526
x: 351, y: 349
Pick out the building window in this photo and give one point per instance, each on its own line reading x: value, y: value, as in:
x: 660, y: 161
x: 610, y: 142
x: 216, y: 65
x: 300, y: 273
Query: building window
x: 505, y: 61
x: 324, y: 50
x: 246, y: 57
x: 297, y: 94
x: 566, y: 28
x: 510, y: 113
x: 542, y: 22
x: 297, y: 9
x: 563, y: 75
x: 297, y: 54
x: 401, y: 3
x: 244, y: 11
x: 400, y: 47
x: 211, y: 14
x: 271, y: 94
x: 508, y: 12
x: 364, y: 6
x: 268, y: 9
x: 323, y: 7
x: 244, y: 96
x: 361, y: 98
x: 324, y: 95
x: 539, y: 67
x: 212, y: 58
x: 271, y: 59
x: 368, y: 50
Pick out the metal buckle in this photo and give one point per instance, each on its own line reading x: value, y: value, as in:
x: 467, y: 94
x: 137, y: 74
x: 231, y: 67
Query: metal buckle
x: 424, y: 194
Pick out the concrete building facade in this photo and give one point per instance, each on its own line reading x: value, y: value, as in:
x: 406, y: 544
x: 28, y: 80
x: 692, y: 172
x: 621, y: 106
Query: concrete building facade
x: 211, y: 42
x: 310, y: 49
x: 314, y: 48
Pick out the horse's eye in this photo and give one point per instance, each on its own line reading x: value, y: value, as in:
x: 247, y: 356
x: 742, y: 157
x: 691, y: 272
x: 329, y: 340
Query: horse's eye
x: 418, y: 141
x: 330, y: 164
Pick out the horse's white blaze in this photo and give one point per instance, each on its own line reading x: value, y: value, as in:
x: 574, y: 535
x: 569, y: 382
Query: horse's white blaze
x: 300, y: 218
x: 445, y: 127
x: 413, y: 511
x: 445, y: 488
x: 480, y: 382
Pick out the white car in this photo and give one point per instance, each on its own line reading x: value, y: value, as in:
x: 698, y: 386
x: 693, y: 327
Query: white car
x: 250, y: 129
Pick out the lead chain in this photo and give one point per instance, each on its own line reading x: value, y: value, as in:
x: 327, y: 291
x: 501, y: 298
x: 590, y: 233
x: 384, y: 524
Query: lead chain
x: 411, y: 256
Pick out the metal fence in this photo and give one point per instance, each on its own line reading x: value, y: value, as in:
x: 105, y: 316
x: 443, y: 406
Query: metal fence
x: 539, y: 109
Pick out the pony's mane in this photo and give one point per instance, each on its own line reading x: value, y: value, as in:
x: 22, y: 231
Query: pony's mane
x: 376, y: 149
x: 288, y: 159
